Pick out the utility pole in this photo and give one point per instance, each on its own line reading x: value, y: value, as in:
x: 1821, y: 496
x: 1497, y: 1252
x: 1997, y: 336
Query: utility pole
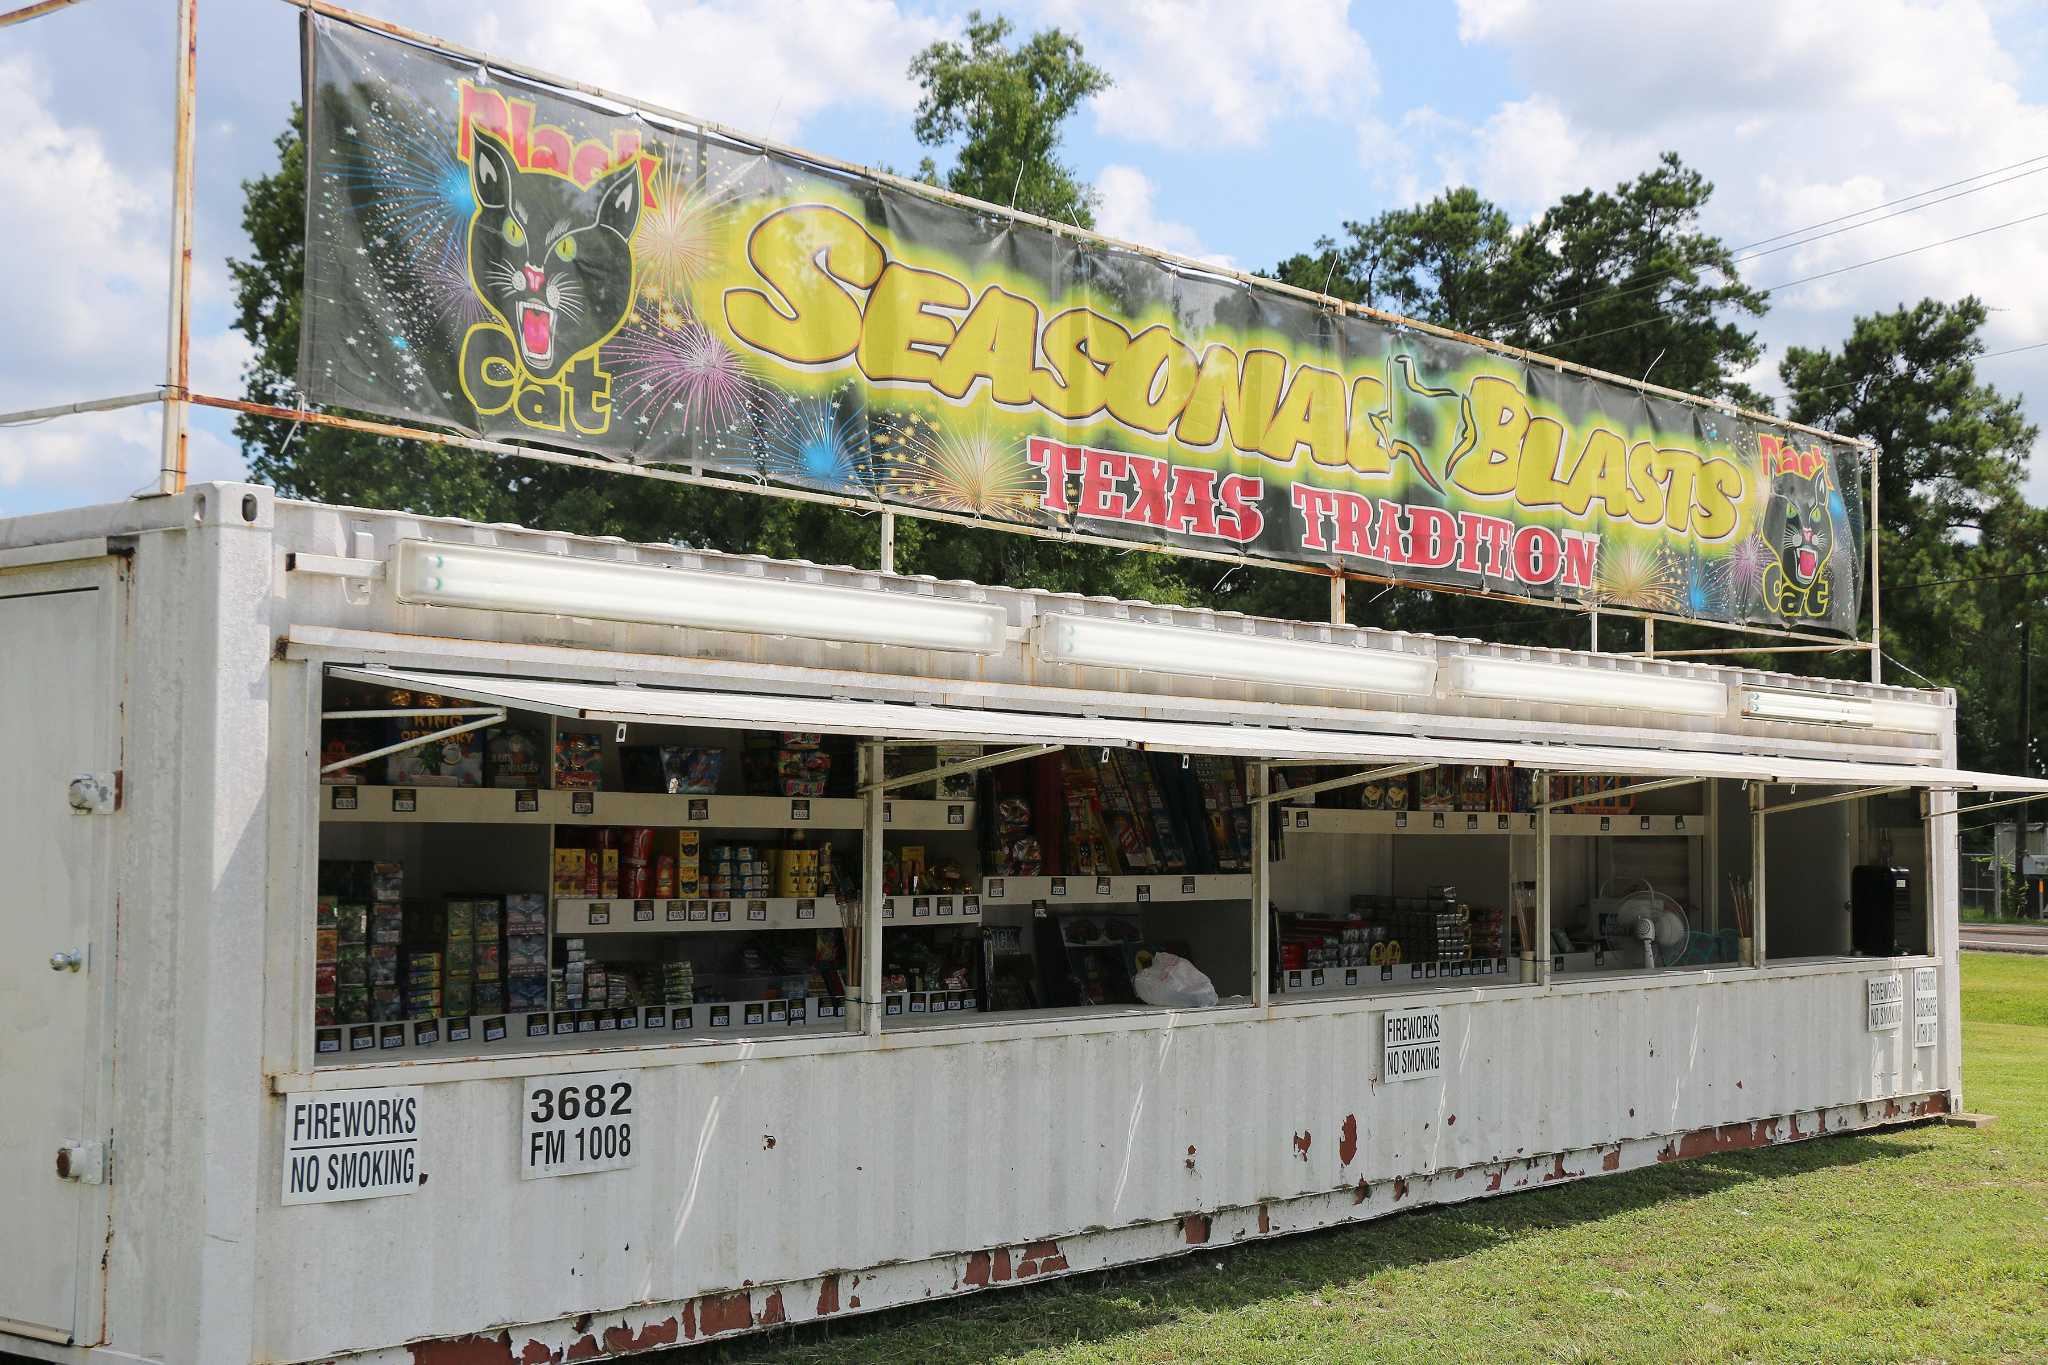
x: 2019, y: 855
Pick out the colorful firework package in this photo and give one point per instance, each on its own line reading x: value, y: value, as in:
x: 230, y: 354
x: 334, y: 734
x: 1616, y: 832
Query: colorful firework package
x: 579, y: 762
x: 493, y: 256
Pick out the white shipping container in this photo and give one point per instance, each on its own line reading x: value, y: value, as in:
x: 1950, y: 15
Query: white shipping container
x: 165, y: 669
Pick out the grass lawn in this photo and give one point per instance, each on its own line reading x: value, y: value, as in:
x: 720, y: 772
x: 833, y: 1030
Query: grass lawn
x: 1924, y: 1244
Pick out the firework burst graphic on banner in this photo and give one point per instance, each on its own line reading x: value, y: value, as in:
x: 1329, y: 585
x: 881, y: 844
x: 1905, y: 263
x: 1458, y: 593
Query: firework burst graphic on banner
x: 1746, y: 564
x: 668, y: 363
x: 1702, y: 584
x: 451, y: 293
x: 407, y: 181
x: 809, y: 440
x: 974, y: 470
x: 1636, y: 576
x: 677, y: 243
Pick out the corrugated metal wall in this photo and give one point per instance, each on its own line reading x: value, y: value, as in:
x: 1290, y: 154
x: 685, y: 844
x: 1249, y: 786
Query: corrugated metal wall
x: 768, y: 1170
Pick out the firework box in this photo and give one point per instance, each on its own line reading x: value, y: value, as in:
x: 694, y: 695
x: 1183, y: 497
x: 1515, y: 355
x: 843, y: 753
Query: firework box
x: 515, y: 756
x: 569, y: 871
x: 578, y: 762
x: 526, y: 914
x: 383, y: 964
x: 387, y: 881
x: 443, y: 761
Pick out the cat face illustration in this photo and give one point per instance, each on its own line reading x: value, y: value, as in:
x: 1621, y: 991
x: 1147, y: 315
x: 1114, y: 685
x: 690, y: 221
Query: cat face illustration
x: 553, y: 261
x: 1805, y: 530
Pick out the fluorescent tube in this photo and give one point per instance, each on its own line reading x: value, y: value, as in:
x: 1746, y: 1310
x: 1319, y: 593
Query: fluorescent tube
x: 1196, y: 651
x: 1811, y: 707
x: 1565, y: 685
x: 491, y: 579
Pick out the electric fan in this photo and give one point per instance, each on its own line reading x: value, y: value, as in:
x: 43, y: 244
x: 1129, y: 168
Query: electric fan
x: 1658, y: 923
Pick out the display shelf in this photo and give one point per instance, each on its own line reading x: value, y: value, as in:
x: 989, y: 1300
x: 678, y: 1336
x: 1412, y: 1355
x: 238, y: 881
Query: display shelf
x: 612, y: 915
x: 1122, y: 890
x: 1310, y: 820
x: 936, y: 906
x: 340, y: 1044
x: 506, y: 805
x: 909, y: 1004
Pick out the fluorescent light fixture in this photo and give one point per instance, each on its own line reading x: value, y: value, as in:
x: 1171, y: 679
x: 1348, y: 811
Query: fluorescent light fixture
x: 1813, y: 708
x: 1194, y: 651
x: 1564, y: 685
x: 491, y: 579
x: 1917, y: 718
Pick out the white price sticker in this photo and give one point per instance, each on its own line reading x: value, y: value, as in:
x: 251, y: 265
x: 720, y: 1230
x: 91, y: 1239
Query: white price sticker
x: 576, y: 1123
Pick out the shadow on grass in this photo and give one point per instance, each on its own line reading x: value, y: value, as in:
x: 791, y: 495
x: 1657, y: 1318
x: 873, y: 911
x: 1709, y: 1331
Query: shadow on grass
x: 1008, y: 1323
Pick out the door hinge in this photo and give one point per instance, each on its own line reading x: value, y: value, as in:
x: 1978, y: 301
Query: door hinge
x: 88, y: 1163
x: 95, y: 793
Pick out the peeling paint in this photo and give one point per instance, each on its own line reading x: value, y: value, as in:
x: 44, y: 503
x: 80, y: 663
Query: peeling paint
x: 623, y: 1339
x: 771, y: 1311
x: 724, y: 1313
x: 977, y: 1270
x: 473, y: 1350
x: 1400, y: 1188
x: 1733, y: 1137
x: 828, y: 1296
x: 1194, y: 1229
x: 1347, y: 1140
x: 1040, y: 1258
x: 1191, y: 1157
x: 1001, y: 1268
x: 1611, y: 1161
x: 1361, y: 1192
x: 1493, y: 1181
x: 1265, y: 1221
x: 584, y: 1347
x: 1301, y: 1142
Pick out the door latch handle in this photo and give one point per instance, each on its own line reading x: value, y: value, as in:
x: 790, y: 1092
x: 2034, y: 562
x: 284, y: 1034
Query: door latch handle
x: 67, y: 961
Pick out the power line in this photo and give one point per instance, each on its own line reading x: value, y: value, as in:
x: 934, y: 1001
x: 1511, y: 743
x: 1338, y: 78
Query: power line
x: 1809, y: 279
x: 1747, y: 252
x: 1988, y: 355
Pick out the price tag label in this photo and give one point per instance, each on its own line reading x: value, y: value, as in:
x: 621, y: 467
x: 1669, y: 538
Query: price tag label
x: 526, y: 801
x: 565, y: 1023
x: 970, y: 905
x: 426, y: 1035
x: 755, y: 1014
x: 643, y: 912
x: 677, y: 911
x: 682, y: 1019
x: 1144, y: 893
x: 573, y: 1124
x: 995, y: 888
x: 944, y: 905
x: 888, y: 812
x: 344, y: 798
x: 700, y: 911
x: 600, y: 914
x: 1187, y: 886
x: 404, y: 800
x: 494, y: 1030
x: 327, y: 1040
x: 721, y: 1016
x: 1102, y: 886
x: 390, y: 1036
x: 920, y: 907
x: 721, y: 912
x: 799, y: 810
x: 806, y: 909
x: 700, y: 809
x: 582, y: 803
x: 536, y: 1026
x: 956, y: 815
x: 1059, y: 886
x: 757, y: 910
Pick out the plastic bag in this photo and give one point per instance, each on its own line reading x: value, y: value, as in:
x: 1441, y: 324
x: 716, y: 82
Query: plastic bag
x: 1174, y: 982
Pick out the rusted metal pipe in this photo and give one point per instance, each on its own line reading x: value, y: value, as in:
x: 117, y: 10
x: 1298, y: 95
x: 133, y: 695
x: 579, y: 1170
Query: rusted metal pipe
x: 178, y: 345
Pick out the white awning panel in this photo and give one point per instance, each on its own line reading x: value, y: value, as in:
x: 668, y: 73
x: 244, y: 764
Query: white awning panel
x: 623, y: 703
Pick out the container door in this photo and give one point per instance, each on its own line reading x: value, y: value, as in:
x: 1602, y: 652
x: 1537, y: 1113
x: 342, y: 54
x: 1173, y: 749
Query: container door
x: 58, y: 715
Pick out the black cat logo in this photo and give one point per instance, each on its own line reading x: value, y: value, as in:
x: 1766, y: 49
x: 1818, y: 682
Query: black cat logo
x: 1798, y: 525
x: 553, y: 263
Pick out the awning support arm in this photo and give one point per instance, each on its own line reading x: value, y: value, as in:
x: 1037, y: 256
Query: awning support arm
x: 2001, y: 801
x: 1811, y: 801
x: 494, y: 716
x: 965, y: 765
x: 1610, y: 793
x: 1348, y: 780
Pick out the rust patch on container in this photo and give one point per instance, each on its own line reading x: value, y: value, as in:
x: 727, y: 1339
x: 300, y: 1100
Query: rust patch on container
x: 1301, y: 1142
x: 1558, y: 1172
x: 584, y: 1347
x: 1400, y: 1188
x: 725, y: 1313
x: 1733, y: 1137
x: 582, y: 1323
x: 828, y: 1296
x: 1451, y: 1122
x: 771, y: 1311
x: 1347, y: 1140
x: 767, y: 1142
x: 1612, y: 1160
x: 689, y: 1320
x: 977, y: 1270
x: 1195, y: 1228
x: 1040, y: 1258
x: 536, y: 1353
x: 1265, y: 1220
x: 471, y: 1350
x: 999, y: 1265
x: 1191, y: 1157
x: 622, y: 1339
x: 1493, y: 1181
x: 1361, y: 1191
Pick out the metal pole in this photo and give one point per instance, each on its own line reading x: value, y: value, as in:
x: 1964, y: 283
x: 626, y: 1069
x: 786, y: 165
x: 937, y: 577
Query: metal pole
x: 888, y: 542
x: 869, y: 984
x: 2021, y: 811
x: 1649, y: 639
x: 35, y: 11
x: 1596, y: 632
x: 1756, y: 874
x: 177, y: 362
x: 1876, y: 536
x: 1539, y: 792
x: 1337, y: 613
x: 1262, y: 919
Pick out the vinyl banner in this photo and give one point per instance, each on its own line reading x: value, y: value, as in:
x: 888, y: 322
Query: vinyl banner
x: 493, y: 256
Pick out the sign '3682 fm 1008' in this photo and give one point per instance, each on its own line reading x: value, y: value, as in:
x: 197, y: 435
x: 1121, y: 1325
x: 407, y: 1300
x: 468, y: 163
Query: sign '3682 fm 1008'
x: 584, y: 1121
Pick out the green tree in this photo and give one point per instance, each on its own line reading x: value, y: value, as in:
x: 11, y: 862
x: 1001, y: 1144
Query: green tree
x: 1957, y: 537
x: 1006, y: 107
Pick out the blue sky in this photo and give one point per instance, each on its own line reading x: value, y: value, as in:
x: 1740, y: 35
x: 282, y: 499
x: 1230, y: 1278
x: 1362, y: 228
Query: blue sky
x: 1233, y: 131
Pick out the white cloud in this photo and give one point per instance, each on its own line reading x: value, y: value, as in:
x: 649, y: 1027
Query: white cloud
x: 765, y: 69
x: 1799, y: 114
x: 1219, y: 73
x: 86, y: 299
x: 1126, y: 212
